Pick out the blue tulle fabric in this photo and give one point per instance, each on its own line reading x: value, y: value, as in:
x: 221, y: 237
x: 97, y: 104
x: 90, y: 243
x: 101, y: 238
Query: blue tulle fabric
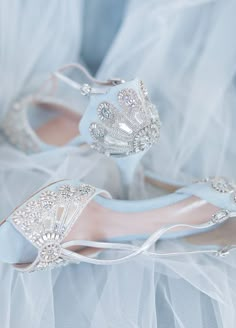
x: 185, y: 52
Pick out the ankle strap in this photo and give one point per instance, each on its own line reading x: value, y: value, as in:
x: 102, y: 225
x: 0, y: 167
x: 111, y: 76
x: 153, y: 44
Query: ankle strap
x: 85, y: 89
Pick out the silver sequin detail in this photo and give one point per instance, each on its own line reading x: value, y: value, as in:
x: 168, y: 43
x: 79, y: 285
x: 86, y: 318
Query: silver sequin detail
x: 85, y: 89
x: 220, y: 216
x: 131, y: 128
x: 223, y: 252
x: 222, y: 185
x: 47, y: 220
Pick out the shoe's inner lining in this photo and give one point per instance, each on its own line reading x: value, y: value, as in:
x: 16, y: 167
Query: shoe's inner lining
x: 62, y: 124
x: 157, y: 187
x: 161, y: 185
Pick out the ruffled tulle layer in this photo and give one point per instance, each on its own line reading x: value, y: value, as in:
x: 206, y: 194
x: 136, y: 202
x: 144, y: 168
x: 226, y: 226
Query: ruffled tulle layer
x: 178, y: 292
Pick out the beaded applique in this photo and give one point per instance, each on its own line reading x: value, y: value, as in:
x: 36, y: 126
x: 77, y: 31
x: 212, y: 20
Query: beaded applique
x: 222, y: 185
x: 48, y: 219
x: 130, y: 129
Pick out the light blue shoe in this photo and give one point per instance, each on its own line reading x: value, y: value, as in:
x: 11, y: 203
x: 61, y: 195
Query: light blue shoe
x: 119, y: 121
x: 42, y: 232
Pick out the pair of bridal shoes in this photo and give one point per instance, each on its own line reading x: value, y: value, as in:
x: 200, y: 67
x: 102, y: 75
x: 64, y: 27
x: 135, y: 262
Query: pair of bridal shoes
x: 72, y: 222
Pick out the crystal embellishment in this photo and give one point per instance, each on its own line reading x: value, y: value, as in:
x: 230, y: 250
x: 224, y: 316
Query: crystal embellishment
x: 47, y: 220
x: 130, y: 127
x: 85, y: 89
x: 222, y: 185
x: 50, y: 252
x: 145, y: 137
x: 105, y: 112
x: 220, y: 216
x: 223, y: 252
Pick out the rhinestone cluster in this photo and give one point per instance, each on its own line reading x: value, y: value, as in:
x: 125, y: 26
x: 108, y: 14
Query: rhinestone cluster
x: 50, y: 251
x: 46, y: 220
x: 145, y: 137
x: 85, y: 89
x: 223, y: 252
x: 220, y: 216
x: 132, y: 127
x: 105, y: 112
x: 222, y: 185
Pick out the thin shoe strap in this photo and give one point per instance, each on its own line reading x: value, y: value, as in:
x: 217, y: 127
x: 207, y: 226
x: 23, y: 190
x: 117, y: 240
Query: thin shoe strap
x: 144, y: 248
x: 84, y: 89
x: 82, y: 69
